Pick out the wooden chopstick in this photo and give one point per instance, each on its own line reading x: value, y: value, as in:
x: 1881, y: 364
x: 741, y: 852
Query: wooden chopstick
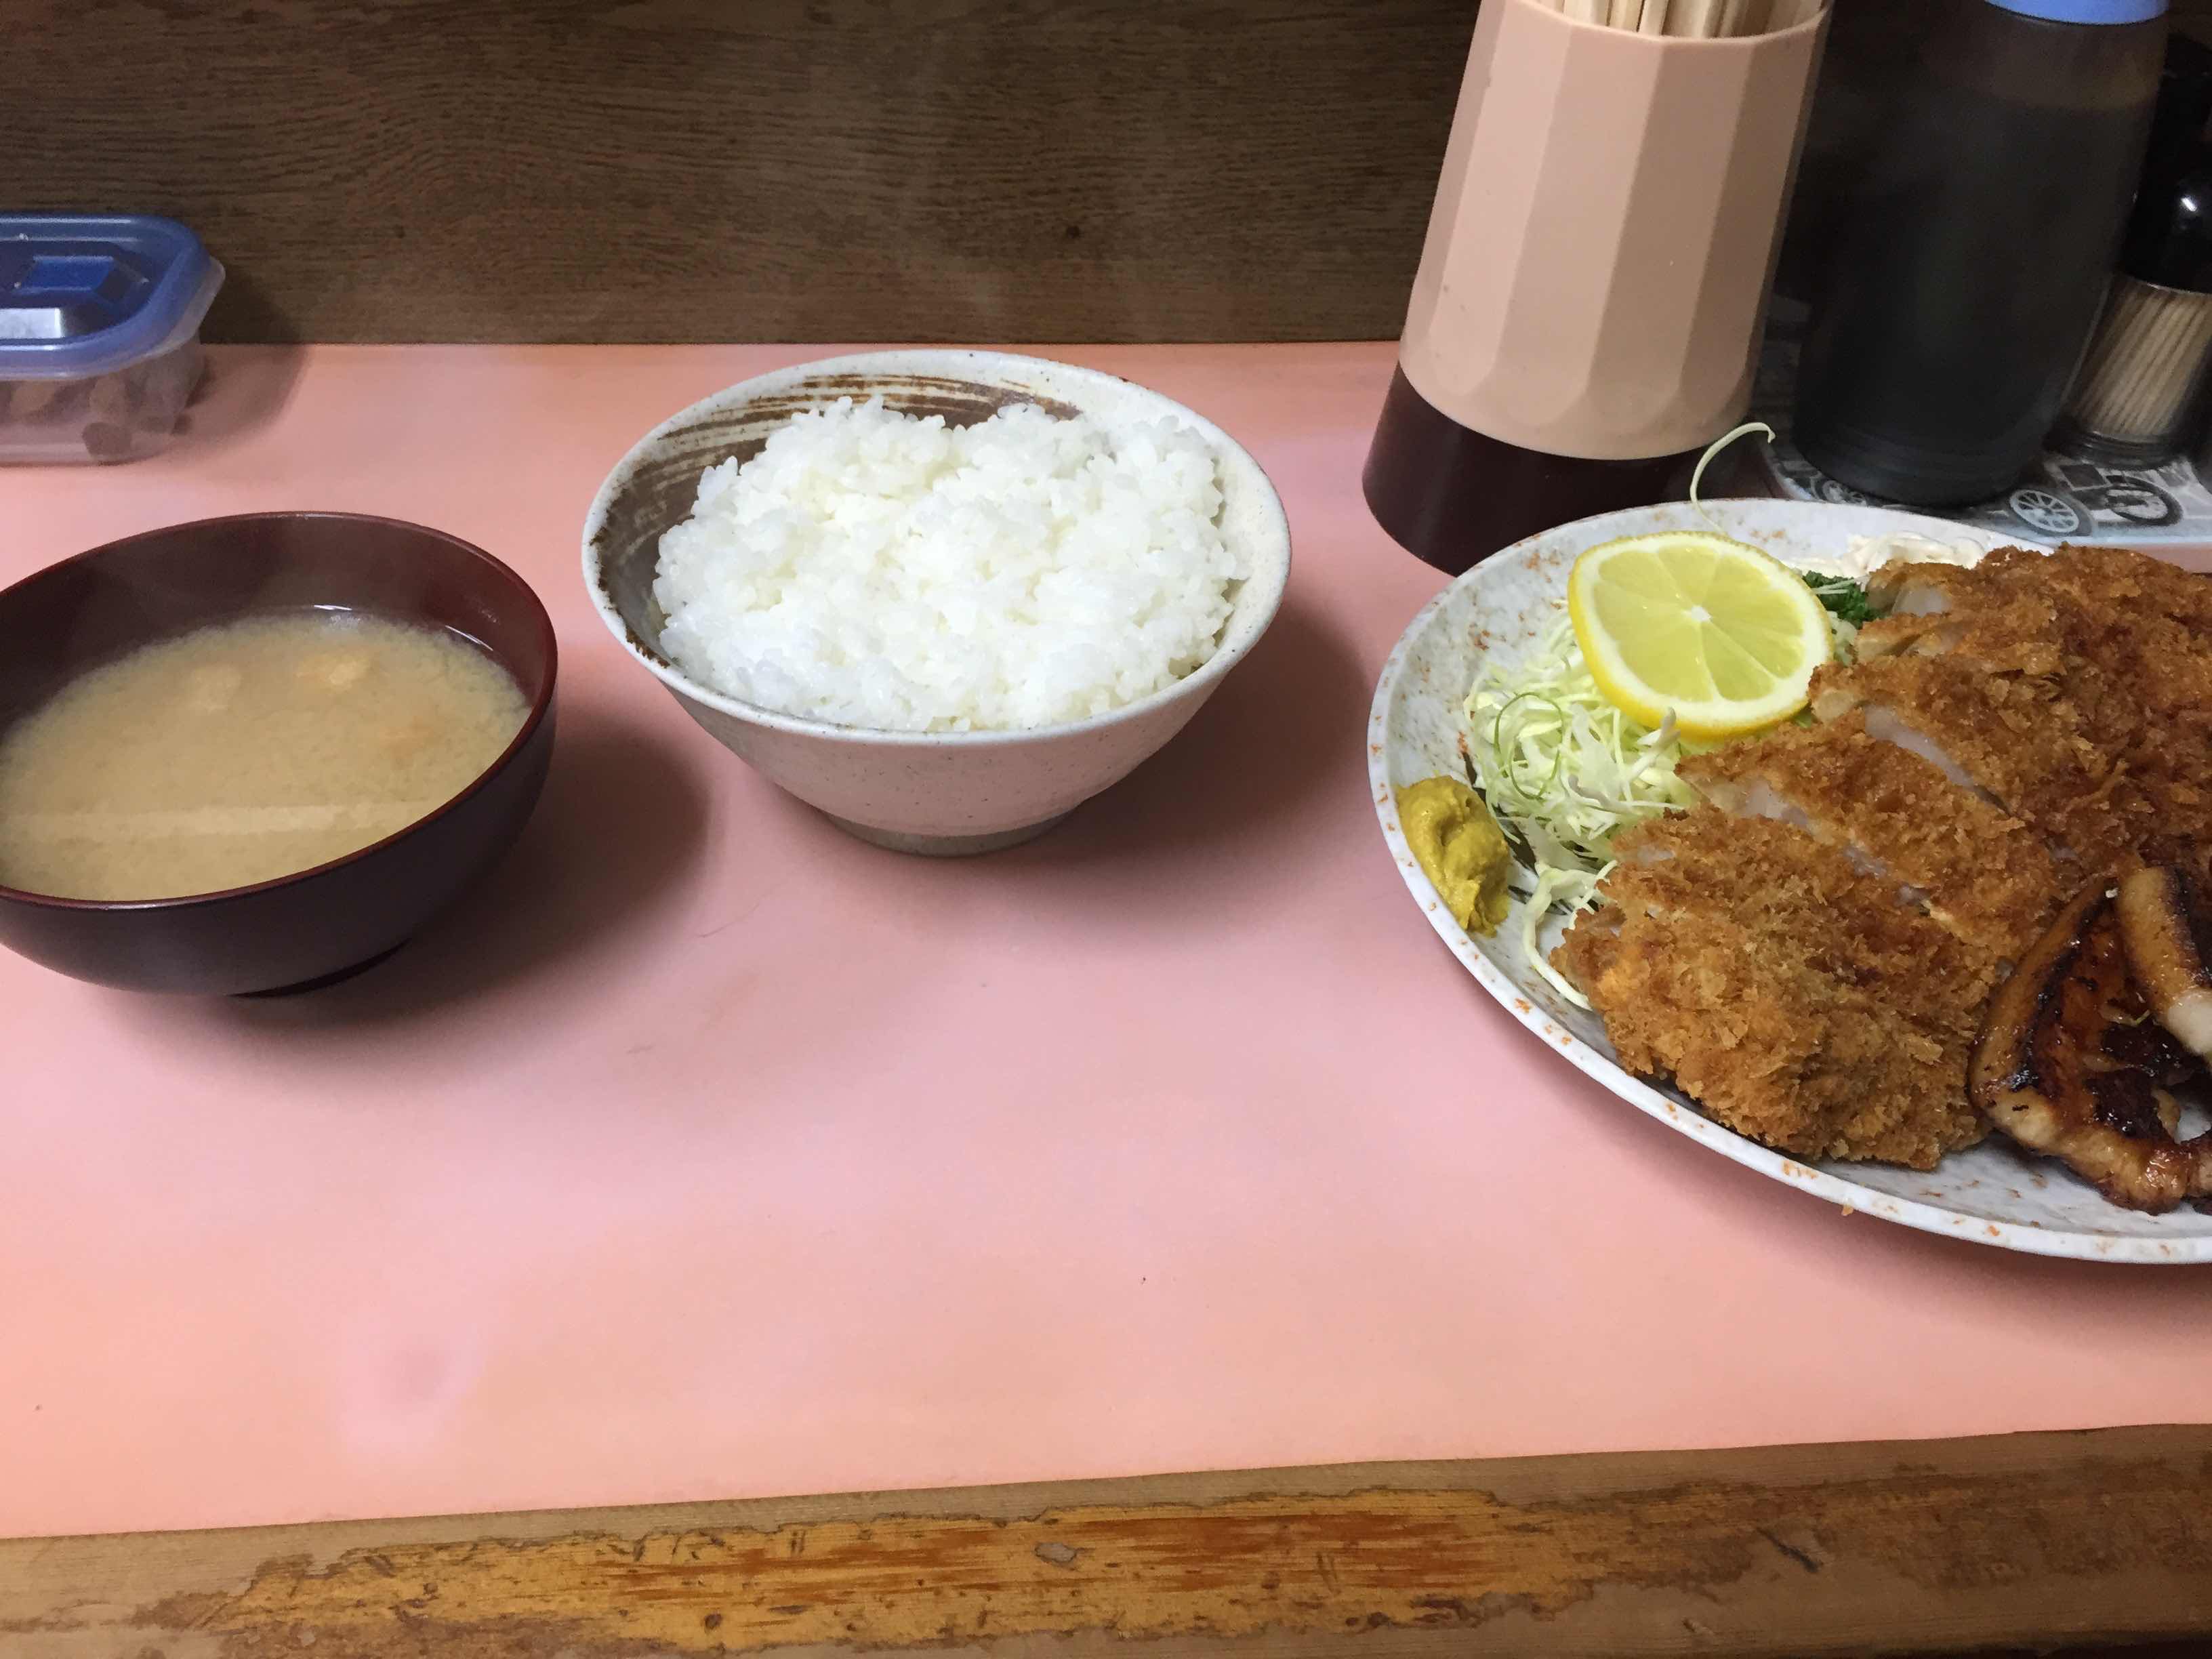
x: 1701, y: 19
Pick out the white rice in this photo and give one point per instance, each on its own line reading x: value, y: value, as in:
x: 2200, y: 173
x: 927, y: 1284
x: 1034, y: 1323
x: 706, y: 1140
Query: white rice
x: 880, y: 570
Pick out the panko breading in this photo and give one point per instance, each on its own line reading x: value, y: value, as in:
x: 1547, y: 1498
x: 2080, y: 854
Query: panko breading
x: 2016, y: 739
x: 1983, y: 876
x: 2112, y: 639
x: 1813, y: 970
x: 2116, y: 577
x: 2145, y: 629
x: 1941, y: 608
x: 1719, y: 961
x: 2150, y: 630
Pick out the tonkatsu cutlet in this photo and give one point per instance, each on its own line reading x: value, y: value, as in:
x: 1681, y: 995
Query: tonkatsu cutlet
x: 1983, y: 876
x: 1933, y: 611
x: 2059, y: 614
x: 2116, y: 640
x: 2147, y: 628
x: 1787, y: 992
x: 2130, y: 584
x: 1814, y: 970
x: 2016, y: 739
x: 2127, y: 583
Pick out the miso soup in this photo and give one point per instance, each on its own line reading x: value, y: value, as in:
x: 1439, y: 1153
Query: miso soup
x: 245, y: 752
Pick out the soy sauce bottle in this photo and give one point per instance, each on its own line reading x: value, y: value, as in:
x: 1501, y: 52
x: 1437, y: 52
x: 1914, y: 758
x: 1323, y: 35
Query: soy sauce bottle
x: 1972, y: 264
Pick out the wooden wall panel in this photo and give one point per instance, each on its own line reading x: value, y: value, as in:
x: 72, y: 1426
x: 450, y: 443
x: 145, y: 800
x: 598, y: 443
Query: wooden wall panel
x: 992, y: 170
x: 576, y: 170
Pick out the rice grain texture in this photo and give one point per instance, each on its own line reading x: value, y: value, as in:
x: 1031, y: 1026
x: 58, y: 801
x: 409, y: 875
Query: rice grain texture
x: 875, y: 569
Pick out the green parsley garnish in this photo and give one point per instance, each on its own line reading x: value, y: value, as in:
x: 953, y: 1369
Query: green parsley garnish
x: 1842, y: 596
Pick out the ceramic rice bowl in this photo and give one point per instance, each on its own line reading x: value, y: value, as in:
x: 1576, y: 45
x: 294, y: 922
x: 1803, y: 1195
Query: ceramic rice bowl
x: 938, y: 792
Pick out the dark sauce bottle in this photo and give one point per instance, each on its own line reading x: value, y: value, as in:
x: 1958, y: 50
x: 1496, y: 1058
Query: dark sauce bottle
x: 1974, y: 259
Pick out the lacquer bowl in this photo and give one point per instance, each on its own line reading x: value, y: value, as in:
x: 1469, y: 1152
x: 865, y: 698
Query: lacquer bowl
x: 323, y: 923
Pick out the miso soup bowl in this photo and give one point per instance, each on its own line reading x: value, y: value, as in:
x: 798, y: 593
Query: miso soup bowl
x: 945, y: 793
x: 324, y: 923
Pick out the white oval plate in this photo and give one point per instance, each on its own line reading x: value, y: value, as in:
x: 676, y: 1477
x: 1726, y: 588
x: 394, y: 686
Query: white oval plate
x: 1992, y: 1193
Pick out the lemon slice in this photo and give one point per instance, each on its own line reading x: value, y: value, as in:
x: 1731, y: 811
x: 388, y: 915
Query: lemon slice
x: 1723, y: 637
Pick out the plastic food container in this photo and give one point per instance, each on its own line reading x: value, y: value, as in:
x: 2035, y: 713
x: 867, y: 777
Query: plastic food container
x: 99, y: 333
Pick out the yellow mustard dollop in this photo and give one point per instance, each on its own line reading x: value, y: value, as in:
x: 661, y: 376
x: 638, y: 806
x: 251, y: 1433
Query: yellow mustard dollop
x: 1460, y: 849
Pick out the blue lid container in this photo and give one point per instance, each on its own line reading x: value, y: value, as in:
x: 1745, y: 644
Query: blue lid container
x: 99, y: 334
x: 82, y: 295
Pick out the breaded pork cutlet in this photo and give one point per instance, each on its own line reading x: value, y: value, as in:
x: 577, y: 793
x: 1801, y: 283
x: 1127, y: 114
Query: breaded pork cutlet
x: 2125, y: 616
x: 1983, y: 876
x: 2146, y: 627
x: 1786, y: 991
x: 2099, y: 629
x: 2016, y: 739
x: 1933, y: 611
x: 1813, y: 971
x: 2127, y: 581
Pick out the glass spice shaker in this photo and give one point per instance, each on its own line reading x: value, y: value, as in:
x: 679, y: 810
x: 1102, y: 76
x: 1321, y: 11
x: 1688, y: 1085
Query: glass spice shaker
x: 2140, y: 385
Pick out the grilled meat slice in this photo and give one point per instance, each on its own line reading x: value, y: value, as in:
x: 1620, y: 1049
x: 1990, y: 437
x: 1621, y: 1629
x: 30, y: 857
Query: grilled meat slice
x: 2069, y: 1064
x: 2165, y: 928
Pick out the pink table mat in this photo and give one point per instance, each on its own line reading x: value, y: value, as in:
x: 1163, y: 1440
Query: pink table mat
x: 705, y: 1152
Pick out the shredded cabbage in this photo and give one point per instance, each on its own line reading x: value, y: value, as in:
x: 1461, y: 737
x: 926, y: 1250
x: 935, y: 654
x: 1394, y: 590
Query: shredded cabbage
x: 1571, y: 892
x: 1567, y: 766
x: 1566, y: 771
x: 1697, y: 473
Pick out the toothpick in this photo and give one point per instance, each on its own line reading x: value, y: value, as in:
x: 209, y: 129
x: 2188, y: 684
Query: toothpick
x: 1694, y: 19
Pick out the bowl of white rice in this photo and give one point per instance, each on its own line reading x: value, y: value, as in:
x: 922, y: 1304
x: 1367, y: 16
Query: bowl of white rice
x: 945, y: 597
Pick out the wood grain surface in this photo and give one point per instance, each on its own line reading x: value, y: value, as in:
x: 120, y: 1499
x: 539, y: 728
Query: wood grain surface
x: 689, y: 170
x: 1942, y: 1546
x: 681, y: 170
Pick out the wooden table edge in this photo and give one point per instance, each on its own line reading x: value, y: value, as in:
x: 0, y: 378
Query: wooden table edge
x: 1923, y: 1547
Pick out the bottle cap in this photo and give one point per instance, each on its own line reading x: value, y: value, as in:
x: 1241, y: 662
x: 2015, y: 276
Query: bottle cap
x: 2087, y: 11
